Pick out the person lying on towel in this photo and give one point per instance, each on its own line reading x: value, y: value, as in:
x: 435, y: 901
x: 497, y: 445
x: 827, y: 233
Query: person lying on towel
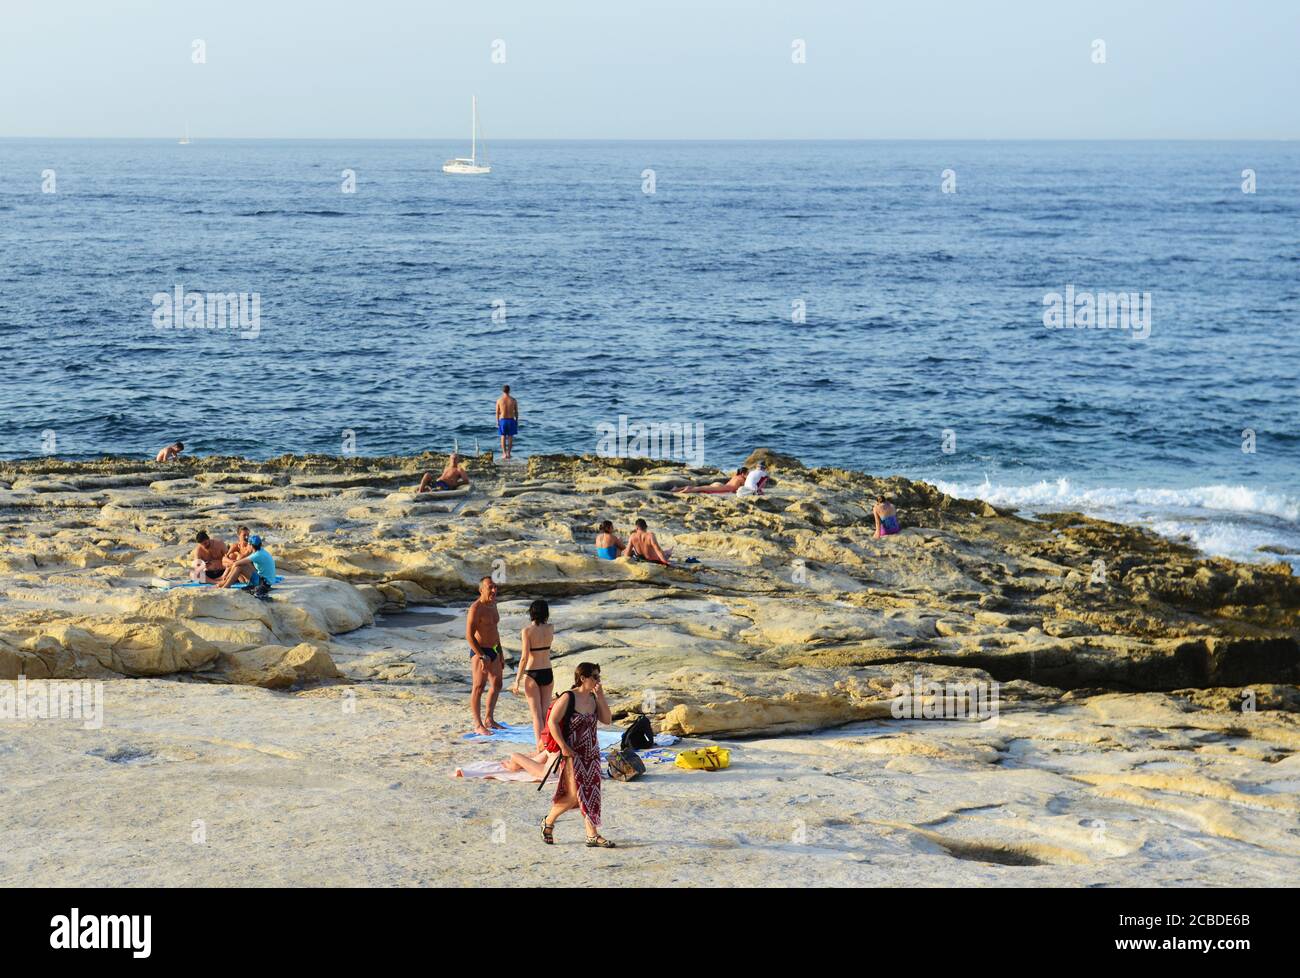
x: 720, y: 488
x: 535, y: 765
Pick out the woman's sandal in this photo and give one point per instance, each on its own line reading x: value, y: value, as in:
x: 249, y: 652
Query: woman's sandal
x: 599, y: 842
x: 548, y: 832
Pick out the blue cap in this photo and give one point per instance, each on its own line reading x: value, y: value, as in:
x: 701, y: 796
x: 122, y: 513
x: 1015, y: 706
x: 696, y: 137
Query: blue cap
x: 255, y: 540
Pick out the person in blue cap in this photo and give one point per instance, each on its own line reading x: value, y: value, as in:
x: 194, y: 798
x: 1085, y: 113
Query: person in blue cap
x: 261, y: 562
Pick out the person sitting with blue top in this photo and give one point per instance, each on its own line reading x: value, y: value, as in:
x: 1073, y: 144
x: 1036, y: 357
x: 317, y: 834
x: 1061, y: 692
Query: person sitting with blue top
x: 261, y: 562
x: 886, y: 518
x: 608, y: 544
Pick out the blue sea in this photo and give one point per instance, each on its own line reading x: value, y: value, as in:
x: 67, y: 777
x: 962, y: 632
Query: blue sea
x: 828, y: 299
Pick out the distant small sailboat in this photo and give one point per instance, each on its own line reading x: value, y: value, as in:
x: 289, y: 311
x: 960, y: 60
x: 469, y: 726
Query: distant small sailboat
x: 185, y: 140
x: 471, y: 165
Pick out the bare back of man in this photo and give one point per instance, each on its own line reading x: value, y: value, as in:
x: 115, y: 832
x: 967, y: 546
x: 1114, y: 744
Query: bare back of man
x: 642, y: 543
x: 507, y: 420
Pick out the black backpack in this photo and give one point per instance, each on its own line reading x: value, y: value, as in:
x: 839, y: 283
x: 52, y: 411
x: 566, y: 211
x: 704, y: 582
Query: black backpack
x: 639, y: 736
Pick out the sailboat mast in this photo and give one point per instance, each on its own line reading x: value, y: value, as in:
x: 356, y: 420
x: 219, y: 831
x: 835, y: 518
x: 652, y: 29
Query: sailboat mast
x: 473, y: 128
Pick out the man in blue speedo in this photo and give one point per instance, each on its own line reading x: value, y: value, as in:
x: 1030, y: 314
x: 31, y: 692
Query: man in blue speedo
x: 507, y: 420
x: 262, y: 563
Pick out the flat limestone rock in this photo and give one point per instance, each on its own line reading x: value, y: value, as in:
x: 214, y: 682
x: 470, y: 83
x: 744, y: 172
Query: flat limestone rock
x: 274, y: 666
x: 1146, y: 728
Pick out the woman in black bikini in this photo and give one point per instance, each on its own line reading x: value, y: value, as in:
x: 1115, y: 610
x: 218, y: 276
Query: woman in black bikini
x: 535, y: 666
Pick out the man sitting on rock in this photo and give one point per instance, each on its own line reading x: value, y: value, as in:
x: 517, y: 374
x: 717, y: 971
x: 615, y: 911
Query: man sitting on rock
x: 642, y: 545
x: 169, y: 452
x: 209, y: 552
x: 238, y: 550
x: 261, y: 564
x: 452, y: 477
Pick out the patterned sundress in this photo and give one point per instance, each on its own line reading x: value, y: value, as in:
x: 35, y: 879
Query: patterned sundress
x: 580, y: 731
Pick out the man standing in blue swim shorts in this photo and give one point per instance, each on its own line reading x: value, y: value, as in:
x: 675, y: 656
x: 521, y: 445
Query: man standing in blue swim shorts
x: 487, y: 658
x: 507, y: 420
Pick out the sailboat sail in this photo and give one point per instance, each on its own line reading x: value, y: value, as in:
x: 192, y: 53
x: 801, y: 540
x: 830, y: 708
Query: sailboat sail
x: 470, y: 164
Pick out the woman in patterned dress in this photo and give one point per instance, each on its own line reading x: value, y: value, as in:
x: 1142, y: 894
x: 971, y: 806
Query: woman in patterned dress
x: 572, y: 722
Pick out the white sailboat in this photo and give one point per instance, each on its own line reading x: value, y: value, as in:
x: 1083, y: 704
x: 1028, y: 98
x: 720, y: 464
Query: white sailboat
x: 471, y: 165
x: 185, y: 140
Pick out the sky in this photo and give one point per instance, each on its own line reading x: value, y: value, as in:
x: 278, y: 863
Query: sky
x: 667, y: 69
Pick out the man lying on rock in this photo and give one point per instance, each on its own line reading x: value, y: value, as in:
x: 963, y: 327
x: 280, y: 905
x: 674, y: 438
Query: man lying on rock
x: 452, y: 477
x: 260, y: 562
x: 720, y: 488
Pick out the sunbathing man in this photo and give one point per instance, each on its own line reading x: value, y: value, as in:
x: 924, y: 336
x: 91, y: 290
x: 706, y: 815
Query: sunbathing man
x: 507, y: 420
x: 452, y: 476
x: 642, y: 545
x: 731, y: 485
x: 169, y: 452
x: 886, y: 518
x: 487, y: 660
x: 210, y: 550
x: 260, y: 563
x: 236, y: 552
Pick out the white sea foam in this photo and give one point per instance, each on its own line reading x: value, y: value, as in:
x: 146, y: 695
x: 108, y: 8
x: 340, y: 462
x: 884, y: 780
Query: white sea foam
x: 1223, y: 520
x: 1061, y: 492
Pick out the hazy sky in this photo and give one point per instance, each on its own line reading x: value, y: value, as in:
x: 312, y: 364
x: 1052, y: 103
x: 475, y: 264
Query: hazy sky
x: 695, y: 69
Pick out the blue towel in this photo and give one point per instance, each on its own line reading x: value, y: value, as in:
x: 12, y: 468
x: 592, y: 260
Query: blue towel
x: 522, y: 733
x: 237, y: 587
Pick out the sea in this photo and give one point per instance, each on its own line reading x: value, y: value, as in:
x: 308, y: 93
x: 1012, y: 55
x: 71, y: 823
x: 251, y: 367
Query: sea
x: 928, y: 309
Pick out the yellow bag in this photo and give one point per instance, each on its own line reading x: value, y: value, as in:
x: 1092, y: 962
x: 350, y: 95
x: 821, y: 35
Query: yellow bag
x: 704, y: 759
